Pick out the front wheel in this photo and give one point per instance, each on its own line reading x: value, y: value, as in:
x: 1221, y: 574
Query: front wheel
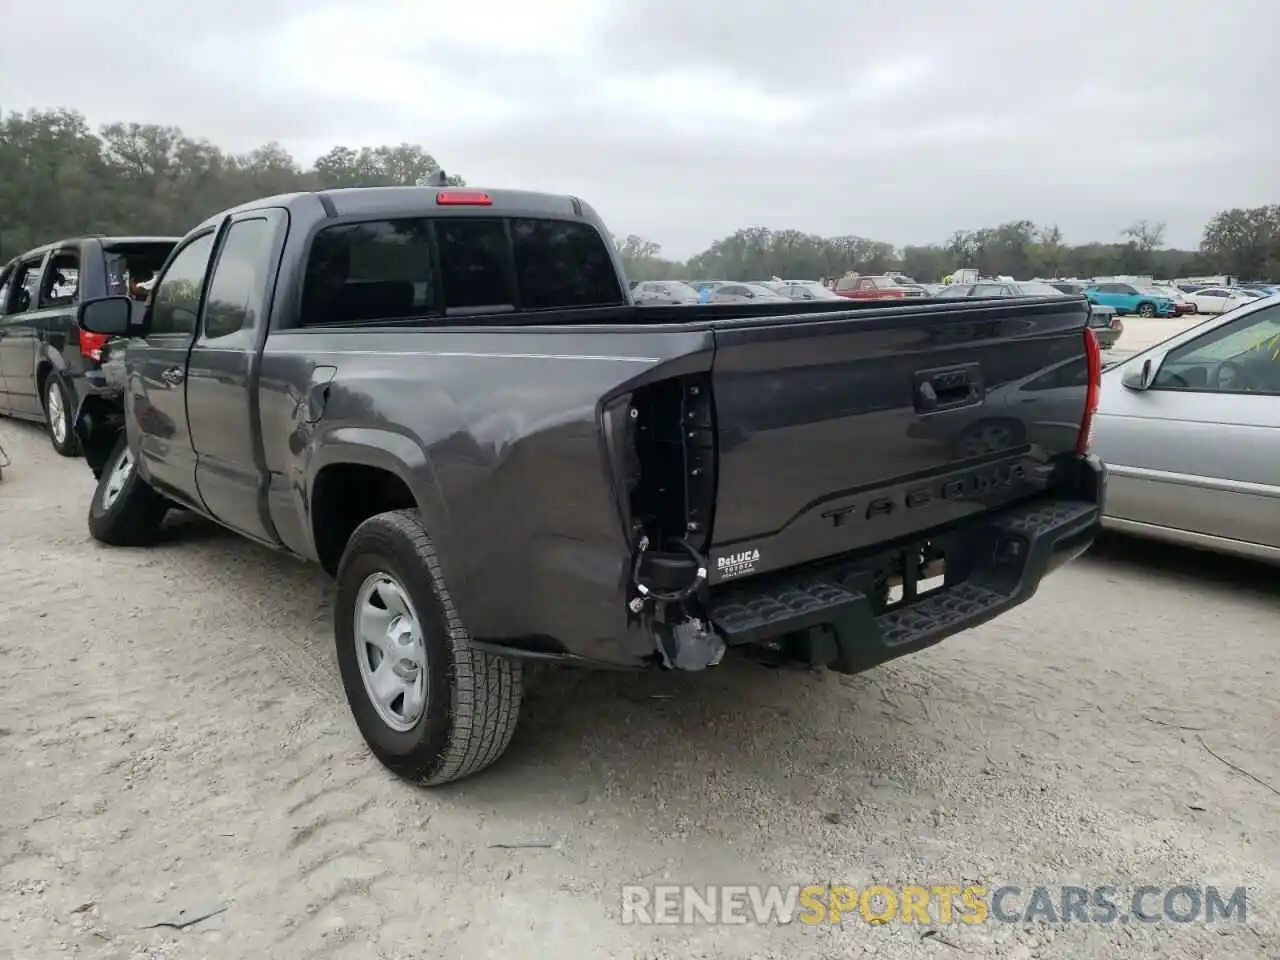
x: 430, y: 706
x: 57, y: 417
x: 125, y: 511
x: 1146, y: 310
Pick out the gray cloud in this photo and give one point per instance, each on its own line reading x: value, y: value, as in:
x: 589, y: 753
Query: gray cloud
x: 685, y: 120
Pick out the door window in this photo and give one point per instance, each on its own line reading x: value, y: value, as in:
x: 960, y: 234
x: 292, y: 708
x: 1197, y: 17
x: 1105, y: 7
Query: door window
x: 236, y: 290
x: 26, y: 283
x: 176, y: 301
x: 1242, y: 356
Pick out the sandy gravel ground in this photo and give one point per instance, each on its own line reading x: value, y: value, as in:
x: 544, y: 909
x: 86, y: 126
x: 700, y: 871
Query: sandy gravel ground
x: 173, y: 740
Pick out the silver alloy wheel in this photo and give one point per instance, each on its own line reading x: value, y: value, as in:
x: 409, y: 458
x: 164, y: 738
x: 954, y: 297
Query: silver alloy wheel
x: 390, y: 652
x: 57, y: 413
x: 116, y: 480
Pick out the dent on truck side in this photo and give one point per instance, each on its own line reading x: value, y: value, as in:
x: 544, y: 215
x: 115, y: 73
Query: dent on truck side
x: 496, y: 434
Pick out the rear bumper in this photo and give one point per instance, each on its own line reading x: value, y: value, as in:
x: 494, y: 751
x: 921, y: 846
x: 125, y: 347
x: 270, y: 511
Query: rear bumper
x: 996, y: 561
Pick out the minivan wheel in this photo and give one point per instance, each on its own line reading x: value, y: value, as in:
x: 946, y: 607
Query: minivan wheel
x: 125, y: 511
x: 1146, y: 310
x: 431, y: 707
x: 57, y: 417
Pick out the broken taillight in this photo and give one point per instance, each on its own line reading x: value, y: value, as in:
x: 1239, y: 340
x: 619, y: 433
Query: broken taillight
x: 91, y: 345
x: 1093, y: 359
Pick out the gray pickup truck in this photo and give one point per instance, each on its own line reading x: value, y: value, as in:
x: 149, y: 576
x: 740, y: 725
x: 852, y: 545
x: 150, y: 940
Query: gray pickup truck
x: 446, y: 398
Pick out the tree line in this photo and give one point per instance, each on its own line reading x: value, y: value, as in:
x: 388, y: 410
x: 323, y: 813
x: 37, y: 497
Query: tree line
x: 60, y: 178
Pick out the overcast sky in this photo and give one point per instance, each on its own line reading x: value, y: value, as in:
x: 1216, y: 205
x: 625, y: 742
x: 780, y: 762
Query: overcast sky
x: 682, y: 120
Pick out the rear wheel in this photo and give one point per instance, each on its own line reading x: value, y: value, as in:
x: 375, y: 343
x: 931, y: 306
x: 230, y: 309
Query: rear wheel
x: 125, y: 510
x: 57, y: 417
x: 430, y: 706
x: 1146, y: 310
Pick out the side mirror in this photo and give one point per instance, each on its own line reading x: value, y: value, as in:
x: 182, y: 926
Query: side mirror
x: 109, y: 316
x: 1139, y: 378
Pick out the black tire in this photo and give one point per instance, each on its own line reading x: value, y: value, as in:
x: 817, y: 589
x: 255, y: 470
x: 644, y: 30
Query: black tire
x: 58, y: 417
x: 134, y: 517
x: 1147, y: 310
x: 472, y: 700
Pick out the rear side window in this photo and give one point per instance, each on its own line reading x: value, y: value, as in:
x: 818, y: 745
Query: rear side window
x: 62, y: 280
x: 561, y: 264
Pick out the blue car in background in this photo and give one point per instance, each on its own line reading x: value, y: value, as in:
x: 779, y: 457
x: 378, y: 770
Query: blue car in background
x: 1127, y: 298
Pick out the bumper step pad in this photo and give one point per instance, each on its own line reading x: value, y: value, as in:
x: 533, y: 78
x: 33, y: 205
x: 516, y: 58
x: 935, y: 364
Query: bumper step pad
x: 1005, y: 556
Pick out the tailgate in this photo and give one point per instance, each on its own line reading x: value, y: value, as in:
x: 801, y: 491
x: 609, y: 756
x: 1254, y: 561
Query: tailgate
x: 834, y: 434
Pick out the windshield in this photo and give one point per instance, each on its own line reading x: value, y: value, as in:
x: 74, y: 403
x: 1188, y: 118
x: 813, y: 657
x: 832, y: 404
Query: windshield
x: 760, y: 290
x: 884, y: 283
x: 1156, y: 292
x: 1038, y: 290
x: 1253, y: 338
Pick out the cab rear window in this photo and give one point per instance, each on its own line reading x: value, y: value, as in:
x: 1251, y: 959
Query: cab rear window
x: 445, y: 267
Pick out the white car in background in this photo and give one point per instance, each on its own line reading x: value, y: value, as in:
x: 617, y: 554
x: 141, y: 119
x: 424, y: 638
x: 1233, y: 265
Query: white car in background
x: 1218, y: 299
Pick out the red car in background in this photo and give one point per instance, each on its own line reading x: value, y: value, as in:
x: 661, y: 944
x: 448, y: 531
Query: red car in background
x: 874, y: 288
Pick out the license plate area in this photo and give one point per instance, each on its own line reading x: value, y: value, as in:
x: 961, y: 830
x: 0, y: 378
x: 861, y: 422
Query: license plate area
x: 907, y: 575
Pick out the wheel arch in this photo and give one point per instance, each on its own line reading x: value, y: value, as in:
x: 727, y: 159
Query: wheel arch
x: 362, y: 473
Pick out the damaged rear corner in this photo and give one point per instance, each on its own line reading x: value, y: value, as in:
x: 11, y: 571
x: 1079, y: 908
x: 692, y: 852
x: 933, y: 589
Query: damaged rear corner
x: 98, y: 424
x: 661, y: 443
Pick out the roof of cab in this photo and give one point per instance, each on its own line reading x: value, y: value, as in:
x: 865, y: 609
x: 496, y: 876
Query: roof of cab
x: 420, y: 202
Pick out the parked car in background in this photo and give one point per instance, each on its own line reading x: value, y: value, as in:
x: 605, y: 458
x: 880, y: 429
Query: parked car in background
x: 1266, y: 289
x: 1181, y: 305
x: 1188, y: 431
x: 804, y: 290
x: 47, y: 363
x: 746, y: 293
x: 1103, y: 321
x: 1127, y: 298
x: 1219, y: 299
x: 663, y: 293
x: 874, y: 288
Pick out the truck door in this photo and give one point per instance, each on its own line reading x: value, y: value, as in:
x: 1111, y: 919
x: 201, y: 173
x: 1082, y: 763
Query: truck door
x: 19, y: 338
x: 222, y: 375
x: 158, y: 371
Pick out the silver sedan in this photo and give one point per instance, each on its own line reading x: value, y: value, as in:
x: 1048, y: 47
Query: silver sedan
x: 1190, y: 432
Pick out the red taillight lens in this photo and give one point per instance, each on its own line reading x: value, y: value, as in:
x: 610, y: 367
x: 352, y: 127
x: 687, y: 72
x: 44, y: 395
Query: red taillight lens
x: 1093, y: 359
x: 91, y: 344
x: 463, y: 198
